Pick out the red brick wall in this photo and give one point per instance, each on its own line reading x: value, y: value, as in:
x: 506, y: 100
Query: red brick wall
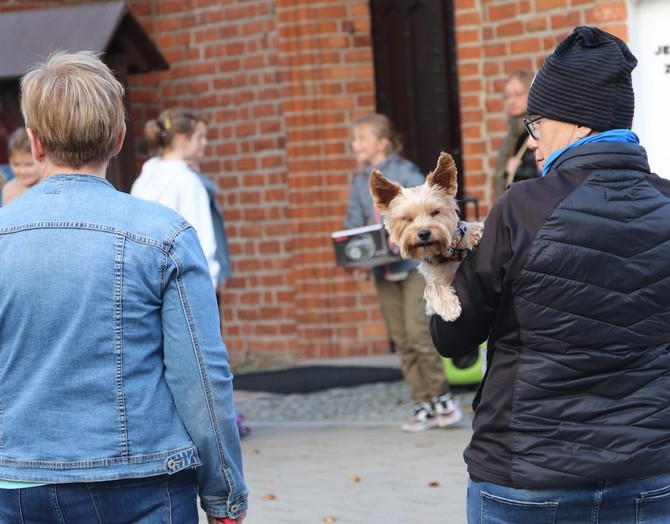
x: 327, y: 79
x: 496, y: 37
x: 281, y: 82
x: 224, y: 60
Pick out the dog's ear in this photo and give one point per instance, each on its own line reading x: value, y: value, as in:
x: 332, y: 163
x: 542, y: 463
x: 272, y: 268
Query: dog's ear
x: 383, y: 190
x: 444, y: 174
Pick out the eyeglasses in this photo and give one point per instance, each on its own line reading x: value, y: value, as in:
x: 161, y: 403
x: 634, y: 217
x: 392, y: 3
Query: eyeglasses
x: 531, y: 126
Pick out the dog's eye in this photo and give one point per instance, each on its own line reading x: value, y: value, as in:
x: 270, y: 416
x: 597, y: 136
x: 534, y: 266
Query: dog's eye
x: 435, y: 213
x: 407, y: 219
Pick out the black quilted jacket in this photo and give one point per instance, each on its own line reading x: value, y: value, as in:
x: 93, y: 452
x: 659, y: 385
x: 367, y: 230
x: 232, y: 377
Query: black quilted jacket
x: 571, y: 286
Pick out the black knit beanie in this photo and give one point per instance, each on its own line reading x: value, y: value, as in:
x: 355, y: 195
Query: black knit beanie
x: 586, y: 81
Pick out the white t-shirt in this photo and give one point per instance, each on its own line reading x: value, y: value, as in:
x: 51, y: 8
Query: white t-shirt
x: 173, y: 184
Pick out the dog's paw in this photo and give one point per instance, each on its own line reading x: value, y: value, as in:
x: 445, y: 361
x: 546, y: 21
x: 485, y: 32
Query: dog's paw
x: 450, y: 311
x: 474, y: 234
x: 441, y: 299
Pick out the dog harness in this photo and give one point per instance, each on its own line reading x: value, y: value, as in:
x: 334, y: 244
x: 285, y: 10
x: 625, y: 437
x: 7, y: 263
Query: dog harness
x: 453, y: 253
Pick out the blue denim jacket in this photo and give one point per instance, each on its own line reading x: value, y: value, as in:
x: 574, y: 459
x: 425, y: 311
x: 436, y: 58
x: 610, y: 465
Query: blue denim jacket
x: 111, y: 359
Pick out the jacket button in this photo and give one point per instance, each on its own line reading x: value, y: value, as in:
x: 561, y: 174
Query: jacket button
x: 234, y: 508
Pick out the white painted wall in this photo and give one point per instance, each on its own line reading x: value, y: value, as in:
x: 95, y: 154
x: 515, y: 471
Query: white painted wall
x: 650, y: 43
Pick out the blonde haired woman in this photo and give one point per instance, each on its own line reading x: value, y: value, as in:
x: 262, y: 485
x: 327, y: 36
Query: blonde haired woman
x: 115, y: 389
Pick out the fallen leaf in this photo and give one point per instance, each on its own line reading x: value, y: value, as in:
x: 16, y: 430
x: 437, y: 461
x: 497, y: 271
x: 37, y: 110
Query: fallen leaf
x: 354, y: 478
x: 329, y: 519
x: 269, y: 496
x: 433, y: 483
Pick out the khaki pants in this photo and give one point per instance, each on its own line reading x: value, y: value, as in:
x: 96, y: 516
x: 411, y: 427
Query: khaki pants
x: 404, y: 312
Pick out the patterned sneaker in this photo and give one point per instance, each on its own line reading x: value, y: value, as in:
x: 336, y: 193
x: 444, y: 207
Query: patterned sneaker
x: 446, y: 411
x: 423, y: 418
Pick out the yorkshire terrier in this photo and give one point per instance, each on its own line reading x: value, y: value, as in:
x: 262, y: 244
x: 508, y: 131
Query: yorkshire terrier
x: 423, y: 222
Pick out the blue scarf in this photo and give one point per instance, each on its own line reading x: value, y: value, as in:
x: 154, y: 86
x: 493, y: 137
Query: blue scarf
x: 613, y: 135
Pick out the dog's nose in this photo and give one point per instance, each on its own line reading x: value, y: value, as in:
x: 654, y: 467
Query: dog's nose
x: 424, y: 234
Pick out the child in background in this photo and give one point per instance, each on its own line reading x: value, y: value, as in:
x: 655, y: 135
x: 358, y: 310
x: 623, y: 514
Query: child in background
x: 399, y: 285
x: 24, y: 168
x: 178, y: 137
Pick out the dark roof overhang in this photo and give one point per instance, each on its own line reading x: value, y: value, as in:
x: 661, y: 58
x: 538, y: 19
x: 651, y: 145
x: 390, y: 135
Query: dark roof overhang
x: 103, y: 27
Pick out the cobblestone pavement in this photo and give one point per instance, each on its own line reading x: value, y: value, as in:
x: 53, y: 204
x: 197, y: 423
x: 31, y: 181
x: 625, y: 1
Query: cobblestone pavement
x: 339, y: 456
x: 387, y: 402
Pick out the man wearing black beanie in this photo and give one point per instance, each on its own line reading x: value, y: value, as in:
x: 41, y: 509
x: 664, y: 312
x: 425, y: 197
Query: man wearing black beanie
x: 570, y: 286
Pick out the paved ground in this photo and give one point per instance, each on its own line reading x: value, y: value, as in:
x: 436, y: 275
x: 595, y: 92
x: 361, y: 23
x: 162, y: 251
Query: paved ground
x: 339, y: 456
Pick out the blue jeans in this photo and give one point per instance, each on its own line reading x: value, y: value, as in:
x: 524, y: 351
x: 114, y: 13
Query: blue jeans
x: 149, y: 500
x: 644, y: 501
